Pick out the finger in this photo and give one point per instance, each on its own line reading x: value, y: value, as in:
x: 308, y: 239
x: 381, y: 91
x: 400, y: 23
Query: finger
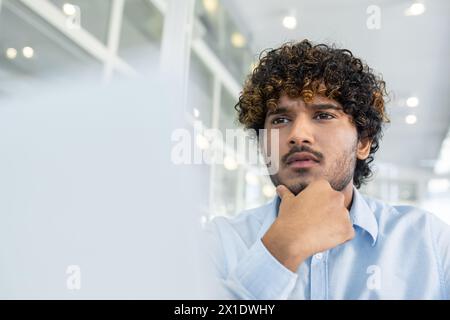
x: 283, y: 192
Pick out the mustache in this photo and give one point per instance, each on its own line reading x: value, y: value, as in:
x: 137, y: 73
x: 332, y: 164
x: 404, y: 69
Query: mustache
x: 296, y: 149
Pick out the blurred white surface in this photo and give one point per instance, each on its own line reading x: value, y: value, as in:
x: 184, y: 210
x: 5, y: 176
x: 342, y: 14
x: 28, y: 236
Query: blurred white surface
x: 86, y: 180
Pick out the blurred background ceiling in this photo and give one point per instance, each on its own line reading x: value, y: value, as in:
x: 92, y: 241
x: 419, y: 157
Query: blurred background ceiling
x: 404, y: 40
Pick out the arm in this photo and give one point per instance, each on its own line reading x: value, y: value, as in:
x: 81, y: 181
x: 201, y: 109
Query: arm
x: 255, y: 274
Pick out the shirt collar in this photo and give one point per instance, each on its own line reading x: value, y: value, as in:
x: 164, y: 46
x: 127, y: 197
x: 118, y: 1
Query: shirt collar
x: 360, y: 213
x: 363, y: 216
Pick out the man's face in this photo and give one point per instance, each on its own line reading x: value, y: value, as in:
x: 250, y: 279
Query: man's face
x: 316, y: 140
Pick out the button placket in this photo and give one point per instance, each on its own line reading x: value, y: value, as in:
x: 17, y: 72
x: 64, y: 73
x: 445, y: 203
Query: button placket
x: 319, y: 279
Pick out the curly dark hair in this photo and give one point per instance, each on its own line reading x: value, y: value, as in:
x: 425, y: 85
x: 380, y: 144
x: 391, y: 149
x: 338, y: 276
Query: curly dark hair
x: 302, y: 70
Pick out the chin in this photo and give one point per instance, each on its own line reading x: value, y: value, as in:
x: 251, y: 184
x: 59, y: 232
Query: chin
x: 298, y: 187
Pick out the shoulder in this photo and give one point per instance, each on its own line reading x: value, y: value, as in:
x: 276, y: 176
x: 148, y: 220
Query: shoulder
x: 245, y: 225
x: 409, y: 217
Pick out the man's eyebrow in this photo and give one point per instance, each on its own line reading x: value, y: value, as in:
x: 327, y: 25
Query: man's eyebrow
x: 318, y: 106
x: 325, y: 106
x: 278, y: 110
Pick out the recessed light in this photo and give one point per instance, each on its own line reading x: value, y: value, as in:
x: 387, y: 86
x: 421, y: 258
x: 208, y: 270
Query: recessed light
x: 69, y: 9
x: 412, y: 102
x: 210, y: 5
x: 230, y: 163
x: 28, y: 52
x: 269, y: 190
x: 11, y: 53
x: 238, y: 40
x: 411, y: 119
x: 290, y: 22
x: 415, y: 9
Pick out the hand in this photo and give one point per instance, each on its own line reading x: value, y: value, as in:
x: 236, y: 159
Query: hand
x: 313, y: 221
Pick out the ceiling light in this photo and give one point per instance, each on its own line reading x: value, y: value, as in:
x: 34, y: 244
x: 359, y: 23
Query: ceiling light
x: 290, y: 22
x: 11, y: 53
x: 269, y: 191
x: 238, y: 40
x: 412, y: 102
x: 210, y: 5
x: 69, y: 9
x: 28, y: 52
x: 416, y: 9
x: 411, y: 119
x: 229, y: 163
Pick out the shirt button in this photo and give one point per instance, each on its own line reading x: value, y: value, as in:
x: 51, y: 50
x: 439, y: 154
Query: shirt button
x: 318, y: 256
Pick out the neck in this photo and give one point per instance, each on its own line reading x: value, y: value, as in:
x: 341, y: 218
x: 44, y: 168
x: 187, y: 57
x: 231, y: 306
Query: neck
x: 348, y: 194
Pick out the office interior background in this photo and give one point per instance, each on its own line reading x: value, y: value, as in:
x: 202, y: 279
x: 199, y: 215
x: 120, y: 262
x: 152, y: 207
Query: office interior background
x: 406, y: 41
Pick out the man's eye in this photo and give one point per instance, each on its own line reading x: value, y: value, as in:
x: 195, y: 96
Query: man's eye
x: 280, y: 120
x: 324, y: 116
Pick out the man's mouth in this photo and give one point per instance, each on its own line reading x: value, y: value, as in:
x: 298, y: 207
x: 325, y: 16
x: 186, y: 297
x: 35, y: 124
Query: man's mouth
x: 302, y: 164
x: 302, y: 160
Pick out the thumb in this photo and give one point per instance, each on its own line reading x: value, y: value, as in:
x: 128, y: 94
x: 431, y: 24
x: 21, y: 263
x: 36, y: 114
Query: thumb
x: 283, y: 192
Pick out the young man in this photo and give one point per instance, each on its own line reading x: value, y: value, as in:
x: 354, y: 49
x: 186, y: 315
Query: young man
x: 321, y: 238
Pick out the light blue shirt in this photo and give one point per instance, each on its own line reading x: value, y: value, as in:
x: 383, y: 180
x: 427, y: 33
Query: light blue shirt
x: 398, y: 252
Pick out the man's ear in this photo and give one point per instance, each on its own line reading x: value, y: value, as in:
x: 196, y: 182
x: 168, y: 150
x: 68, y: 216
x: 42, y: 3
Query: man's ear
x: 364, y: 148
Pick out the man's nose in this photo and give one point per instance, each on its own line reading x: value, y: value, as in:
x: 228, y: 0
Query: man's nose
x: 301, y: 132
